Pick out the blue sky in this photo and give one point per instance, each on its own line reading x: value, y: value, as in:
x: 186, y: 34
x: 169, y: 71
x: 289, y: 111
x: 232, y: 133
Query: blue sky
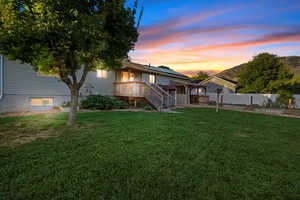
x: 200, y: 35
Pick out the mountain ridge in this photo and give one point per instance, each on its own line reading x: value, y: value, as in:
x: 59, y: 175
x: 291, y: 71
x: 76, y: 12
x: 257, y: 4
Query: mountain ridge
x: 293, y: 63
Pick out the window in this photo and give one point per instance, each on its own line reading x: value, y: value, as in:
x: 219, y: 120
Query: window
x: 130, y: 76
x: 125, y: 76
x: 152, y: 78
x: 133, y: 77
x: 102, y: 73
x: 180, y: 90
x: 41, y: 102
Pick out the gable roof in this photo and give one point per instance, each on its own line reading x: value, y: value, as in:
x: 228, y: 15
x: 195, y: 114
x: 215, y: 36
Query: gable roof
x: 155, y: 70
x: 230, y: 82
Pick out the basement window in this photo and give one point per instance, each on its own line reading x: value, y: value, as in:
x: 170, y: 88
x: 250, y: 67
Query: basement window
x: 41, y: 102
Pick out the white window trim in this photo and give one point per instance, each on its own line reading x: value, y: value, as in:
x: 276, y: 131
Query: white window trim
x: 152, y: 81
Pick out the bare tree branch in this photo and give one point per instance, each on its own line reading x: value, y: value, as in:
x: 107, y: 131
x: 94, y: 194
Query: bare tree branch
x: 84, y: 74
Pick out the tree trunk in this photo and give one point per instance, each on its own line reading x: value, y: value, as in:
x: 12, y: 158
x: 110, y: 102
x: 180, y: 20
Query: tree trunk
x: 74, y: 106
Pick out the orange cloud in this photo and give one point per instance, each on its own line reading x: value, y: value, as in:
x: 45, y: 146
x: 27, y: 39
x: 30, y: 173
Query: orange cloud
x: 268, y: 39
x: 194, y: 72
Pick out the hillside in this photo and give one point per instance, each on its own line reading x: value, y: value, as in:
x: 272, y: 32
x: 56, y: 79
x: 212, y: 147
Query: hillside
x: 293, y: 63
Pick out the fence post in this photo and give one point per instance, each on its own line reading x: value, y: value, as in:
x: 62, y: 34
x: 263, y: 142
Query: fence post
x: 221, y: 101
x: 290, y: 106
x: 251, y: 101
x: 218, y: 99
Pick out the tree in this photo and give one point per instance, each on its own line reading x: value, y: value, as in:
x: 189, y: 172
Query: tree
x: 68, y: 38
x: 264, y: 74
x: 200, y: 76
x: 164, y: 67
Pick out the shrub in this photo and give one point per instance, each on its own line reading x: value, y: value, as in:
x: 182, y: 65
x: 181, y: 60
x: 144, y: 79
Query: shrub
x: 66, y: 104
x: 118, y: 104
x: 98, y: 102
x: 148, y: 107
x: 142, y: 104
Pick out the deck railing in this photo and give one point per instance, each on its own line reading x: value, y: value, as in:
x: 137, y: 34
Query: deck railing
x: 140, y: 89
x: 168, y: 100
x: 130, y: 89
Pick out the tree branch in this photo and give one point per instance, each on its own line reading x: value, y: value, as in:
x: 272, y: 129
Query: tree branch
x: 84, y: 74
x: 64, y: 77
x: 73, y: 67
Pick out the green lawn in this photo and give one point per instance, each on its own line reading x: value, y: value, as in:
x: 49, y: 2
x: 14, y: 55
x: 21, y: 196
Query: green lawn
x: 197, y: 154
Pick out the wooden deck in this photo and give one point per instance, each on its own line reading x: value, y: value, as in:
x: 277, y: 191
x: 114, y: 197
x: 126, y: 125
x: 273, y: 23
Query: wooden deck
x: 139, y: 89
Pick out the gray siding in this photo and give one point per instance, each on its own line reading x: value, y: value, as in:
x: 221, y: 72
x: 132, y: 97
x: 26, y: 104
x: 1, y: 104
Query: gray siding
x: 20, y: 102
x: 165, y: 80
x: 145, y: 77
x: 160, y: 79
x: 22, y: 83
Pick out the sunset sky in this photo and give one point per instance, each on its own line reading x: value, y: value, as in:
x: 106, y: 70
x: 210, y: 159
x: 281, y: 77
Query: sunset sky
x: 213, y: 35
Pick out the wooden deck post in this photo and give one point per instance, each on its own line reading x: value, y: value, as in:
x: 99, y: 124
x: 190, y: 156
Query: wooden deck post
x: 221, y: 101
x: 218, y: 98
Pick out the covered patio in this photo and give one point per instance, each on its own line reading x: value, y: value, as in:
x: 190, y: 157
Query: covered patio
x: 185, y: 92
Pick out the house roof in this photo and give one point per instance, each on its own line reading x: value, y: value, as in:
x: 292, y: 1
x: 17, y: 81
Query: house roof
x: 155, y: 70
x: 226, y: 79
x: 230, y: 82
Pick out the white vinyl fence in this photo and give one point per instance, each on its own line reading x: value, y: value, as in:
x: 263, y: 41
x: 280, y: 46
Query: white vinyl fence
x: 245, y: 99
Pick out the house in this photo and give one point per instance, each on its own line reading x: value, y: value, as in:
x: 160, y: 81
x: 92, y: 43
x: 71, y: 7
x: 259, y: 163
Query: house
x: 23, y: 89
x: 212, y: 83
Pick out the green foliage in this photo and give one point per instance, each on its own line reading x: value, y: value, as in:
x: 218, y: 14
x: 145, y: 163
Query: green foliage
x: 293, y: 85
x: 164, y: 67
x: 264, y: 74
x: 142, y: 104
x: 200, y: 76
x: 148, y: 107
x: 59, y: 35
x: 66, y: 104
x: 119, y: 104
x: 98, y: 102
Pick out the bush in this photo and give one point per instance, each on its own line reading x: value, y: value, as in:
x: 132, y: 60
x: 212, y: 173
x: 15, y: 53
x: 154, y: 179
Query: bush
x: 142, y: 104
x: 98, y: 102
x: 118, y: 104
x: 66, y: 104
x: 148, y: 107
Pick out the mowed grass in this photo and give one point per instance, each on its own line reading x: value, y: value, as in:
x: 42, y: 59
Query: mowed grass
x: 196, y: 154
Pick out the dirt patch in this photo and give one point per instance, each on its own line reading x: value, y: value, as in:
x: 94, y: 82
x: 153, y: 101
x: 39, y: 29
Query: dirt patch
x: 201, y: 122
x: 241, y: 135
x: 12, y: 138
x: 15, y: 114
x: 21, y: 133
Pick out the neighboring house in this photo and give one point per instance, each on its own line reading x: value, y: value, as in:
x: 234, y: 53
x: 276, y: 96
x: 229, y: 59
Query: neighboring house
x: 23, y: 89
x: 213, y: 83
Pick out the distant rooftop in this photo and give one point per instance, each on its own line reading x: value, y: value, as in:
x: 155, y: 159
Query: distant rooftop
x: 166, y: 71
x: 154, y: 69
